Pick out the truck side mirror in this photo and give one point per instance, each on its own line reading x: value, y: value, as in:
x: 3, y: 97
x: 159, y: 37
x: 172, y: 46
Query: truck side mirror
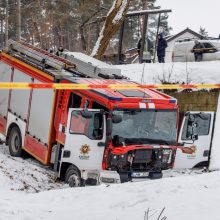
x: 194, y: 124
x: 98, y: 121
x: 86, y: 114
x: 191, y: 119
x: 116, y: 119
x: 108, y: 126
x: 194, y: 137
x: 204, y: 116
x: 97, y: 126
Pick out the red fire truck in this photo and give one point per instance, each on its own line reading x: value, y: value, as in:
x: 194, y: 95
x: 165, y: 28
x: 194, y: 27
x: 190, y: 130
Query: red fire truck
x: 87, y: 135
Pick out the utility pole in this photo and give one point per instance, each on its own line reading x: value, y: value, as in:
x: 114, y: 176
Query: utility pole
x: 18, y: 20
x: 6, y: 22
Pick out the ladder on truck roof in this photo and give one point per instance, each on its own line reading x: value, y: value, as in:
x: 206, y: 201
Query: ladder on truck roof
x: 93, y: 67
x: 51, y: 63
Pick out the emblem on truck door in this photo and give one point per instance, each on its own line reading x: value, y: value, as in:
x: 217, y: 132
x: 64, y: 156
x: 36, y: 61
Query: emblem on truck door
x: 84, y: 151
x: 190, y: 151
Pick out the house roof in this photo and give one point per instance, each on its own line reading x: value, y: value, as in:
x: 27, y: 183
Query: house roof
x: 183, y: 32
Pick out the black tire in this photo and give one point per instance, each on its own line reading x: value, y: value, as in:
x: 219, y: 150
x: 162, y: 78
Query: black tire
x: 73, y: 177
x: 155, y: 175
x: 15, y: 142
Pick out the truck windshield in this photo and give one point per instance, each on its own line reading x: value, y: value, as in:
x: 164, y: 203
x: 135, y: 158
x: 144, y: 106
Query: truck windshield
x: 145, y: 127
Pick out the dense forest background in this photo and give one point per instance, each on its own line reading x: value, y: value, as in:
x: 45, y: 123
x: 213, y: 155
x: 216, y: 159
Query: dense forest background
x: 75, y: 24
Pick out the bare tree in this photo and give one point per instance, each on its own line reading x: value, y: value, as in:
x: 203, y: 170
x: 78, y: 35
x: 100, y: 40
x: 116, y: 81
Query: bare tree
x: 145, y: 4
x: 113, y: 21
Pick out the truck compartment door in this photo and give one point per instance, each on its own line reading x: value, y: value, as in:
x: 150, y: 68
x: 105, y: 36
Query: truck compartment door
x: 5, y: 76
x: 85, y: 135
x: 196, y: 132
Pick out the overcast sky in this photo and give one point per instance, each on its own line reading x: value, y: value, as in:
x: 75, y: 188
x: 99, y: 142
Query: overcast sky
x: 193, y: 14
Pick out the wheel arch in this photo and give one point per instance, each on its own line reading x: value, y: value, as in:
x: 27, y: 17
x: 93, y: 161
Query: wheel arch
x: 64, y: 167
x: 202, y: 164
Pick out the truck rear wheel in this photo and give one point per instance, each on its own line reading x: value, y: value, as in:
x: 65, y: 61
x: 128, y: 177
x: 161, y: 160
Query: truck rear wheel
x: 73, y: 177
x: 15, y: 142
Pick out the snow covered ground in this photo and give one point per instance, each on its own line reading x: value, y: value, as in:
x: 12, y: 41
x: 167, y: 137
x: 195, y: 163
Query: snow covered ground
x: 203, y: 72
x: 188, y: 195
x: 29, y: 191
x: 25, y: 175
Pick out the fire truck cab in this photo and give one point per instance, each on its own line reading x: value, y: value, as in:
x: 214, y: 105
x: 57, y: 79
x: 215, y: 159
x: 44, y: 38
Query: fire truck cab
x: 121, y: 133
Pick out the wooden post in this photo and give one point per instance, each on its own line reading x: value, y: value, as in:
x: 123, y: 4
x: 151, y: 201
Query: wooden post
x: 121, y: 35
x: 18, y: 20
x: 155, y: 46
x: 145, y: 23
x: 6, y: 23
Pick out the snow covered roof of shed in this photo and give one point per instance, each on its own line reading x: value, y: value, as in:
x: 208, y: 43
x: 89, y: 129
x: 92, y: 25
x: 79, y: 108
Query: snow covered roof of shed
x: 183, y: 32
x: 142, y: 12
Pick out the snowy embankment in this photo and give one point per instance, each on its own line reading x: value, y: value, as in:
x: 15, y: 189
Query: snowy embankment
x: 20, y: 178
x: 189, y: 197
x: 29, y: 176
x: 203, y: 72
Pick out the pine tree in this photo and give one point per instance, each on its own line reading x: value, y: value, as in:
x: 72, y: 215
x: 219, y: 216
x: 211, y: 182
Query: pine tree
x: 74, y: 24
x: 203, y: 32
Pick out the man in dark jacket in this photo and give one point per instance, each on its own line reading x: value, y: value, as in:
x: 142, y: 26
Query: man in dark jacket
x: 60, y: 51
x: 198, y: 51
x: 139, y: 46
x: 161, y: 46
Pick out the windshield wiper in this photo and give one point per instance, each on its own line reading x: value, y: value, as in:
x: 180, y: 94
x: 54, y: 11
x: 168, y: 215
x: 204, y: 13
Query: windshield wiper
x: 145, y: 141
x: 161, y: 141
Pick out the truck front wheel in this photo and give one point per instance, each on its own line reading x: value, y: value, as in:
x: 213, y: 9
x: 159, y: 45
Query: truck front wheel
x: 15, y: 142
x: 73, y: 177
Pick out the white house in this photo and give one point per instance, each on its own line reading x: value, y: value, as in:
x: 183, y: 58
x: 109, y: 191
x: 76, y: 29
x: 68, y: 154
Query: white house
x: 187, y: 33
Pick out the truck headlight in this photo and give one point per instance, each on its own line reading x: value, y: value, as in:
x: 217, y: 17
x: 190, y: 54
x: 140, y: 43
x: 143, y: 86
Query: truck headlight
x: 167, y: 154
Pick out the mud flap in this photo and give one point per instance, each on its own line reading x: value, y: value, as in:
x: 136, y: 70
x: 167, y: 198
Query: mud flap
x: 125, y: 177
x: 2, y: 138
x: 155, y: 175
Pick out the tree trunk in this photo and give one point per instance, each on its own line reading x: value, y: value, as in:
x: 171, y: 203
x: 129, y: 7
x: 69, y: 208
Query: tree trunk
x: 82, y: 37
x: 145, y: 4
x: 112, y: 23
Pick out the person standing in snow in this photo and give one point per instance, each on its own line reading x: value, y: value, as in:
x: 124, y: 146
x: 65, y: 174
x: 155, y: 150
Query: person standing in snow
x: 60, y: 51
x: 198, y: 51
x: 161, y: 46
x: 139, y: 46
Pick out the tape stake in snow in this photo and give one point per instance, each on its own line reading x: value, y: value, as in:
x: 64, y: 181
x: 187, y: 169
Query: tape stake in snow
x: 72, y: 86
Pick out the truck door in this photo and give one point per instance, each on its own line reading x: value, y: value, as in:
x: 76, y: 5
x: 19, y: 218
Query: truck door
x: 196, y: 132
x: 85, y: 130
